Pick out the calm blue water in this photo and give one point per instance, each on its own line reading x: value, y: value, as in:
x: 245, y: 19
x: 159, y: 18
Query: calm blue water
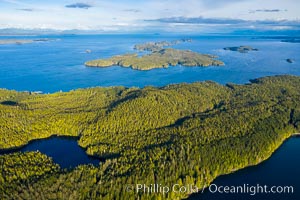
x: 282, y: 169
x: 63, y: 150
x: 58, y: 64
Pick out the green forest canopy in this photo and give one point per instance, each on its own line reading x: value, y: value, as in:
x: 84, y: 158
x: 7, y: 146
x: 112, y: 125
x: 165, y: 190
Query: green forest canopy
x: 182, y: 133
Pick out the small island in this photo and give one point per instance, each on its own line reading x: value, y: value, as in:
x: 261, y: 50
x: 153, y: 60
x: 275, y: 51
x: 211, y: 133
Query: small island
x: 160, y: 57
x: 241, y: 49
x: 293, y: 40
x: 289, y: 60
x: 156, y: 46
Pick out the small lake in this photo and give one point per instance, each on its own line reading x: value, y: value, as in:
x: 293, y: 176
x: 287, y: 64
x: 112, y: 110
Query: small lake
x: 64, y: 151
x: 281, y: 169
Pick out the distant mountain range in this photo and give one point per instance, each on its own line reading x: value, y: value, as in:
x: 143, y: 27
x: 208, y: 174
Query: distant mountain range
x: 17, y: 31
x: 22, y: 32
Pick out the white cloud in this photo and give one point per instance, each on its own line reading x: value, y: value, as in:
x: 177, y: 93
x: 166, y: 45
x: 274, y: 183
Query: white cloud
x: 127, y: 14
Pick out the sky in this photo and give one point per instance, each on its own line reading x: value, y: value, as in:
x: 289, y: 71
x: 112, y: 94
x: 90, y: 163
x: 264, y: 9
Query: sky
x: 156, y: 15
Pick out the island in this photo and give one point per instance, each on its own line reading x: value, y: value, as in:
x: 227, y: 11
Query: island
x: 241, y: 49
x: 185, y: 134
x: 159, y: 57
x: 157, y: 46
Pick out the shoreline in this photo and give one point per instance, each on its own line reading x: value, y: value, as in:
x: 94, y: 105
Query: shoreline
x: 250, y: 81
x: 248, y: 166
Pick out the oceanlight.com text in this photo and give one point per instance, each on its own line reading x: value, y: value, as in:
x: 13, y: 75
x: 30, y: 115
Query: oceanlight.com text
x: 250, y: 189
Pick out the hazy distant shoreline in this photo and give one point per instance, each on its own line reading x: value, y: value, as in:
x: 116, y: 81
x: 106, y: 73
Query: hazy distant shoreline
x: 21, y: 41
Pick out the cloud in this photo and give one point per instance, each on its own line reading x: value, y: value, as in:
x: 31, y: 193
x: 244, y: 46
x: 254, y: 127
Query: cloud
x: 227, y: 22
x: 199, y: 20
x: 79, y: 5
x: 132, y: 10
x: 267, y: 10
x: 12, y: 1
x: 15, y: 2
x: 219, y: 3
x: 27, y: 9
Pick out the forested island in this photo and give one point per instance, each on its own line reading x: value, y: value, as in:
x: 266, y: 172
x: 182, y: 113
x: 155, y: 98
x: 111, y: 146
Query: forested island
x: 157, y: 46
x: 241, y: 49
x: 159, y: 57
x: 178, y: 134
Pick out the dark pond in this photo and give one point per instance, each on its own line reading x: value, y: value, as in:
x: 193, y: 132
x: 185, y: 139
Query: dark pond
x: 63, y: 150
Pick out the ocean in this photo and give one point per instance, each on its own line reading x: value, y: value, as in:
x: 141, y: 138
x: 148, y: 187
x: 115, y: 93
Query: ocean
x: 58, y: 64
